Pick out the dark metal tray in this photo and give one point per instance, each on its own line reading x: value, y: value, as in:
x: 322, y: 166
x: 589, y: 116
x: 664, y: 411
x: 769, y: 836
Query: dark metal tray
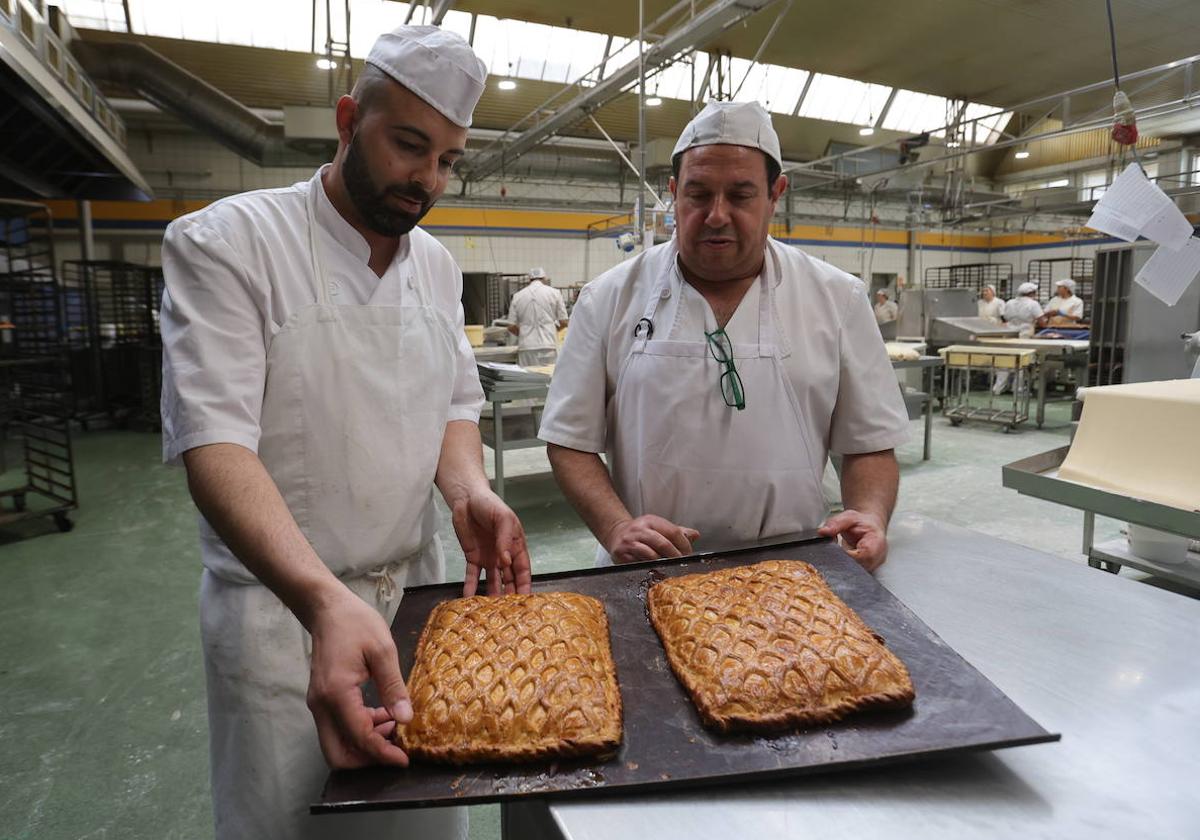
x: 957, y: 708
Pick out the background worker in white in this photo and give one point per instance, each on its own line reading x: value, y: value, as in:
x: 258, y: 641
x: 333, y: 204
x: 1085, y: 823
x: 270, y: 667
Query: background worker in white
x: 317, y: 384
x: 637, y: 377
x: 1065, y: 304
x: 886, y: 310
x: 537, y: 313
x: 990, y: 307
x: 1021, y: 312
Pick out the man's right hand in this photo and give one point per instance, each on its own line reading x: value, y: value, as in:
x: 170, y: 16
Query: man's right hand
x: 648, y: 538
x: 351, y: 644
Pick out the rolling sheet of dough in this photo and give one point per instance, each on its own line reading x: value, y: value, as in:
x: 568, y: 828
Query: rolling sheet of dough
x: 1140, y: 440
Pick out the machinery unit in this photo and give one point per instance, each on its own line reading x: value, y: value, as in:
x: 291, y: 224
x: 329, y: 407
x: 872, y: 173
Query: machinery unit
x: 942, y: 317
x: 1135, y: 336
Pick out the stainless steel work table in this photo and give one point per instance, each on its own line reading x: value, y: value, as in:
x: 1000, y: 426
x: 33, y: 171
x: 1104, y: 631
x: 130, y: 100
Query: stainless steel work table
x: 1106, y: 661
x: 928, y: 366
x: 498, y: 393
x: 1060, y: 352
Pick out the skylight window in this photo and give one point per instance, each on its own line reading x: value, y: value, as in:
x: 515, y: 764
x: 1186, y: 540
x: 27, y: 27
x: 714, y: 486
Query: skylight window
x: 844, y: 100
x: 521, y: 50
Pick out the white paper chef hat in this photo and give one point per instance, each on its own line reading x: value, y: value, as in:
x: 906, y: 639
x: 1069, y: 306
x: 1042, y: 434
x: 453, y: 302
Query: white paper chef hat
x: 1027, y: 288
x: 436, y: 65
x: 990, y: 286
x: 537, y: 273
x: 732, y: 124
x: 1070, y: 284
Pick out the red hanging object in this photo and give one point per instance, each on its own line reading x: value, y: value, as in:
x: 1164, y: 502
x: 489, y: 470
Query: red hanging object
x: 1124, y: 130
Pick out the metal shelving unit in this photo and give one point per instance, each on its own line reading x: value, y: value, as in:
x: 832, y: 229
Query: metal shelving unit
x: 110, y: 311
x: 973, y: 276
x: 1046, y: 272
x: 34, y: 401
x: 486, y: 295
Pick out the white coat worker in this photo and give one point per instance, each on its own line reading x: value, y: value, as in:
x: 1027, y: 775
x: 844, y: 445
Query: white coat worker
x: 1021, y: 312
x: 718, y: 370
x: 886, y: 310
x: 537, y: 313
x: 1065, y: 304
x: 317, y: 386
x: 990, y: 307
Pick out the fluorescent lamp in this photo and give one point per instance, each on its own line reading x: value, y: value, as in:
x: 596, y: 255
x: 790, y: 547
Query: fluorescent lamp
x: 653, y: 101
x: 866, y: 131
x: 326, y: 64
x: 507, y: 84
x: 1021, y: 155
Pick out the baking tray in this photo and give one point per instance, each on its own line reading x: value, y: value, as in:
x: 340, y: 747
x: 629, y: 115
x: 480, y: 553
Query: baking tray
x: 957, y: 709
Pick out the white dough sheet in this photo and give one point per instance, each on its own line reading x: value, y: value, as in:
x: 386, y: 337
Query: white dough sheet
x: 1141, y: 440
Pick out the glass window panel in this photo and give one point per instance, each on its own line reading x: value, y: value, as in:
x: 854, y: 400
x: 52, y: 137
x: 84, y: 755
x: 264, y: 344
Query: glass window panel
x: 913, y: 112
x: 990, y: 123
x: 454, y: 21
x: 674, y: 82
x: 844, y: 100
x: 527, y: 43
x: 781, y: 88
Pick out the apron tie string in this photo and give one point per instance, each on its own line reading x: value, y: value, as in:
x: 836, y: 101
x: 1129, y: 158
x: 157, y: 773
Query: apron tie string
x: 385, y: 587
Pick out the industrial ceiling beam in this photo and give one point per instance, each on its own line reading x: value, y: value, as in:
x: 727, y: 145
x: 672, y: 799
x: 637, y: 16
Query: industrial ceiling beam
x: 706, y: 25
x: 440, y: 7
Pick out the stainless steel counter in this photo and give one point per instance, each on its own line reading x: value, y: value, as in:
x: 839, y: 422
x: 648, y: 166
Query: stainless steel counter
x: 1107, y: 661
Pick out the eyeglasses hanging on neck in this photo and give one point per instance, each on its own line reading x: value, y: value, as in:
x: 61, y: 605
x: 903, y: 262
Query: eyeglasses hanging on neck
x: 731, y: 382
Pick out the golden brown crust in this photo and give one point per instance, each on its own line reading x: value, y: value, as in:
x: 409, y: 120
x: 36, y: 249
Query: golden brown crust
x: 769, y: 646
x: 513, y: 678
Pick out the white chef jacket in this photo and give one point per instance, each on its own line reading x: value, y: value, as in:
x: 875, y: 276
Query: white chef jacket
x: 537, y: 309
x: 833, y: 354
x: 1023, y: 312
x: 1067, y: 306
x: 991, y: 310
x: 237, y: 270
x: 886, y: 312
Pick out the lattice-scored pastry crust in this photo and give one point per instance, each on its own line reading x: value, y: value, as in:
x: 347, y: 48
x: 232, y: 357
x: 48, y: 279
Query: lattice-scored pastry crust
x: 769, y: 646
x: 513, y: 678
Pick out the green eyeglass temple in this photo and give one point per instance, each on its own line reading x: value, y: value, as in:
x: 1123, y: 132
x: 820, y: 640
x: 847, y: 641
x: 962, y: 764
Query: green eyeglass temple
x: 731, y: 382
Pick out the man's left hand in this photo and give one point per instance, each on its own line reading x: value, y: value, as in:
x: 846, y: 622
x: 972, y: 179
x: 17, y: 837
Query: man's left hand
x: 864, y: 536
x: 492, y: 538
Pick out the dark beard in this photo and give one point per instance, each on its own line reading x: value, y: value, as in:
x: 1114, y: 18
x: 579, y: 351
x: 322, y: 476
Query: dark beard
x: 371, y: 202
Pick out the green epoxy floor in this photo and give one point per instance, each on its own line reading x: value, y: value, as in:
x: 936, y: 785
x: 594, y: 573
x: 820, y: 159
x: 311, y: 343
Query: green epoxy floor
x: 102, y: 711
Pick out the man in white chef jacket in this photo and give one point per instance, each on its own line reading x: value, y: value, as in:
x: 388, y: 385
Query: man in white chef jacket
x: 1065, y: 304
x: 317, y: 385
x: 537, y: 313
x: 720, y: 369
x: 886, y: 310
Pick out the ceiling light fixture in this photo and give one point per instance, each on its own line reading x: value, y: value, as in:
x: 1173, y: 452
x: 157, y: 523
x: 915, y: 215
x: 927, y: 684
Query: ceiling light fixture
x: 1021, y: 155
x: 507, y: 84
x: 653, y: 101
x: 866, y: 131
x: 326, y: 64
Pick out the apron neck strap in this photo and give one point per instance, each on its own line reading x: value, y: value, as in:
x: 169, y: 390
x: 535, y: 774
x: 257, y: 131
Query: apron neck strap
x: 772, y: 341
x: 320, y: 284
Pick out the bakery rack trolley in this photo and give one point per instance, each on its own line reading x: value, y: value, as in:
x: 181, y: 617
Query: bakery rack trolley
x: 961, y: 403
x: 36, y: 397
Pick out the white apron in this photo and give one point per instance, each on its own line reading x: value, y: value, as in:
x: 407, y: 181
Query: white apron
x: 680, y: 452
x: 354, y: 412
